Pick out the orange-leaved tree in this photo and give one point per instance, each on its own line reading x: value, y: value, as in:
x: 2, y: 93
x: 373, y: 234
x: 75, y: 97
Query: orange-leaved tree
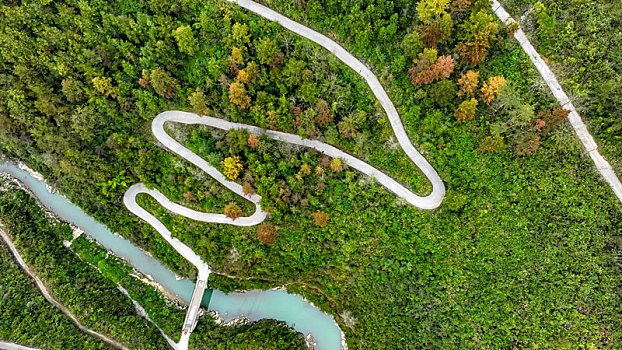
x: 267, y: 233
x: 429, y: 69
x: 468, y: 83
x: 550, y: 119
x: 324, y: 115
x: 253, y: 141
x: 490, y: 90
x: 238, y: 95
x: 233, y: 211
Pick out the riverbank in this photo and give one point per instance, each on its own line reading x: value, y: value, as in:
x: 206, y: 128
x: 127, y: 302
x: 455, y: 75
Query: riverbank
x: 46, y: 293
x: 298, y: 313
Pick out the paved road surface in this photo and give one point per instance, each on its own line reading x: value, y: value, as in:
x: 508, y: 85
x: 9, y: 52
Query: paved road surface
x: 429, y: 202
x: 12, y: 346
x: 195, y: 302
x: 438, y: 188
x: 603, y: 167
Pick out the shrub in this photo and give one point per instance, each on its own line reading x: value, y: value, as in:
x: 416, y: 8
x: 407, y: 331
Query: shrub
x: 267, y: 233
x: 320, y: 218
x: 233, y: 211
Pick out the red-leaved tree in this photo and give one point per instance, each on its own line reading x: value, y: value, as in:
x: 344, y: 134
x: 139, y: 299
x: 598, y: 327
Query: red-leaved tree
x: 438, y: 70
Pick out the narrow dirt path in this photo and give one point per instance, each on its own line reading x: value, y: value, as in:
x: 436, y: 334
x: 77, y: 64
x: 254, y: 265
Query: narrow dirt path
x: 142, y: 312
x: 39, y: 283
x: 603, y: 167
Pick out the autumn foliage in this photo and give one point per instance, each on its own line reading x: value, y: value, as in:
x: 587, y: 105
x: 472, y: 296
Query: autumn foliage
x: 438, y: 31
x: 479, y: 33
x: 243, y: 76
x: 474, y: 52
x: 248, y: 189
x: 232, y: 166
x: 466, y: 110
x: 549, y: 120
x: 458, y: 7
x: 253, y: 141
x: 324, y: 114
x: 468, y: 83
x: 236, y: 56
x: 267, y: 233
x: 426, y: 71
x: 320, y: 218
x: 305, y: 170
x: 429, y: 10
x: 490, y: 90
x: 239, y: 96
x: 546, y: 121
x: 104, y: 86
x: 233, y: 211
x: 336, y: 165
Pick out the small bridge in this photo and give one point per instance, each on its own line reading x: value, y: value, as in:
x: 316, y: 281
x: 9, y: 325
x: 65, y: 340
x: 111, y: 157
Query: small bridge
x: 193, y: 309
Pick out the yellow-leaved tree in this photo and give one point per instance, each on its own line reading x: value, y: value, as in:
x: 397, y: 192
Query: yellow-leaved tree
x: 466, y: 110
x: 468, y: 83
x: 490, y: 90
x: 233, y: 167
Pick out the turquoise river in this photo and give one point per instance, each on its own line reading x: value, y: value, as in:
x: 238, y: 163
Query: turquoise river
x: 254, y: 305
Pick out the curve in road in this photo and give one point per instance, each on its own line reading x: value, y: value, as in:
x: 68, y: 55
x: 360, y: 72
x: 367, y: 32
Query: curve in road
x: 433, y: 200
x: 157, y: 127
x: 438, y: 188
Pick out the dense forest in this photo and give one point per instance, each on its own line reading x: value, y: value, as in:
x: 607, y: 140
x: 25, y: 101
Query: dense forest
x: 94, y: 300
x: 524, y: 251
x: 83, y: 278
x: 28, y: 319
x: 582, y: 41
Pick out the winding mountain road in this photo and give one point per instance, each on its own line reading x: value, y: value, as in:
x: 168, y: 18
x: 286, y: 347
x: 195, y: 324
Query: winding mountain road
x: 429, y: 202
x: 433, y: 200
x: 157, y: 127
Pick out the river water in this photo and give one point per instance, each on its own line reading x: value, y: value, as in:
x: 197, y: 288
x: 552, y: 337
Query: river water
x: 254, y: 305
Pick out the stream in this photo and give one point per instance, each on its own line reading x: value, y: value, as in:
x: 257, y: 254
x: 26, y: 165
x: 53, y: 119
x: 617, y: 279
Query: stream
x: 254, y: 305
